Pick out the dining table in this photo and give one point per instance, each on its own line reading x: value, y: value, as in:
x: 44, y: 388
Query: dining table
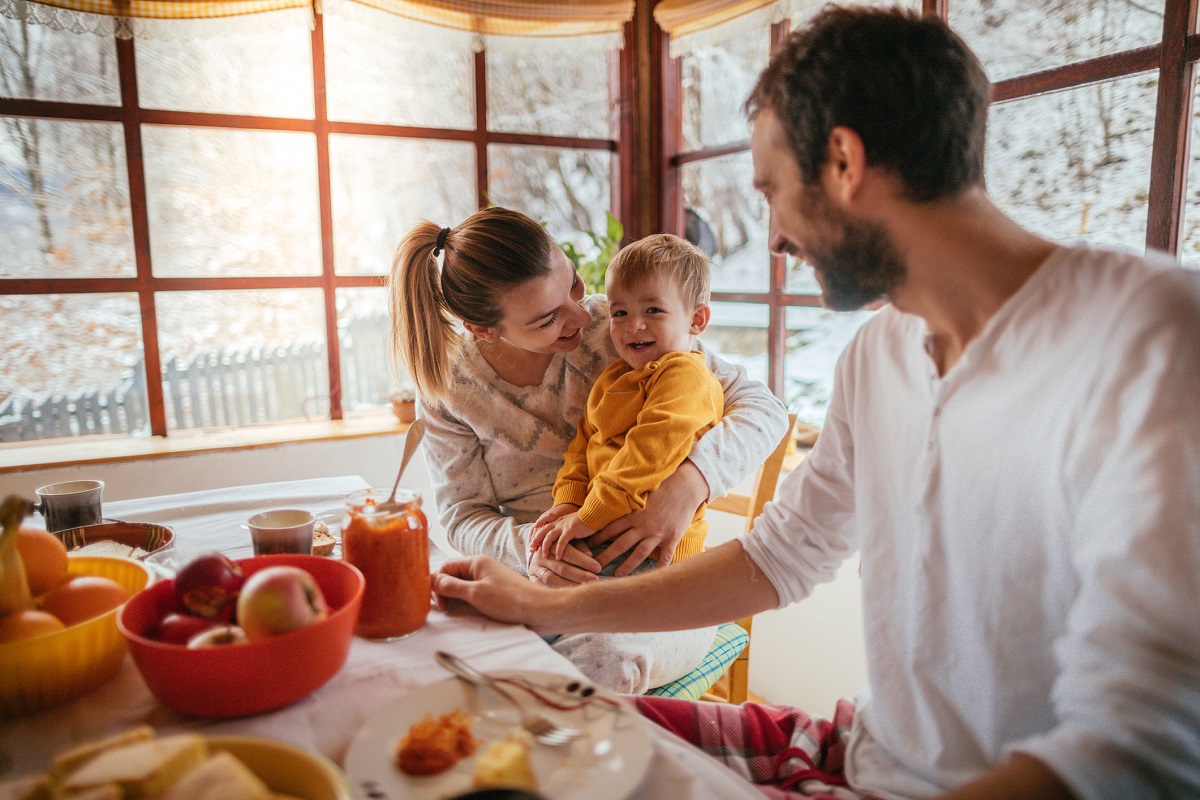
x: 374, y: 672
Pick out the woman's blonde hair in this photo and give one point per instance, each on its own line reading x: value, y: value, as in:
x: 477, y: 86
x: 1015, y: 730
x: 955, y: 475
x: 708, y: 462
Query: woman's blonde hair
x: 491, y: 252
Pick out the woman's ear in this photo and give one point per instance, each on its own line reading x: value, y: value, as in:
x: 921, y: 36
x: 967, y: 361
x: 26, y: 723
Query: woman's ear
x: 700, y: 318
x: 482, y: 332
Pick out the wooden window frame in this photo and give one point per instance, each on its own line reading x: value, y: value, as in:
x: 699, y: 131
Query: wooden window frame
x: 146, y: 286
x: 1173, y: 59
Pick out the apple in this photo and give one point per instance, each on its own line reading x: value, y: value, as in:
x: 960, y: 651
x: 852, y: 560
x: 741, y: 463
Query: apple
x: 276, y: 600
x: 208, y: 585
x: 218, y: 637
x: 176, y: 628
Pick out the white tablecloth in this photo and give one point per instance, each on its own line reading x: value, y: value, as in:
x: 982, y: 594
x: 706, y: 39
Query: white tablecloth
x: 374, y: 673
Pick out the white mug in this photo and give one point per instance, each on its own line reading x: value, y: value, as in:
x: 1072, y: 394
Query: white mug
x: 284, y: 530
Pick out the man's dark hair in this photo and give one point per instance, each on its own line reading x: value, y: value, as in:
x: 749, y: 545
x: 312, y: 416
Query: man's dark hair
x: 908, y: 86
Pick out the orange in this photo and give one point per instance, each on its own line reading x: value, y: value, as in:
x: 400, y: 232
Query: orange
x: 45, y: 559
x: 27, y: 624
x: 83, y: 597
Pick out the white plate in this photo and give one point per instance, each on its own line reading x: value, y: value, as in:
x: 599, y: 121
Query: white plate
x: 607, y: 763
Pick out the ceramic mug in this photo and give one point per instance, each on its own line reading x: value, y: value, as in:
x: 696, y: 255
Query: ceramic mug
x: 284, y: 530
x: 70, y: 504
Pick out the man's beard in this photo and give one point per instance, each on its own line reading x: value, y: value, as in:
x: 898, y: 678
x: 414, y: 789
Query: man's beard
x: 858, y: 265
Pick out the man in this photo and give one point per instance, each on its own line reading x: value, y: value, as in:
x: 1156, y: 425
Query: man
x: 1013, y: 444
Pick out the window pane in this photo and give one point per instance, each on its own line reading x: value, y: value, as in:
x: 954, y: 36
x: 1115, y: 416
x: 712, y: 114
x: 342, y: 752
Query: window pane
x: 1076, y: 164
x: 363, y: 333
x: 717, y: 78
x: 383, y: 186
x: 721, y: 192
x: 71, y: 365
x: 800, y: 277
x: 1189, y: 249
x: 243, y: 357
x: 1016, y: 37
x: 543, y: 92
x: 815, y: 340
x: 64, y: 200
x: 59, y: 65
x: 232, y: 203
x: 265, y: 73
x: 567, y: 189
x: 382, y: 68
x: 738, y: 333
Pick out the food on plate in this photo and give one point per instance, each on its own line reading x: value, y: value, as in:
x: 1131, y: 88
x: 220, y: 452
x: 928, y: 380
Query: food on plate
x: 218, y: 637
x: 31, y: 787
x: 208, y: 585
x: 504, y: 765
x: 26, y: 624
x: 141, y: 770
x: 107, y: 547
x: 44, y: 557
x: 66, y: 763
x: 323, y: 540
x: 178, y: 628
x: 14, y: 585
x: 279, y: 599
x: 434, y: 745
x: 83, y: 597
x: 219, y: 777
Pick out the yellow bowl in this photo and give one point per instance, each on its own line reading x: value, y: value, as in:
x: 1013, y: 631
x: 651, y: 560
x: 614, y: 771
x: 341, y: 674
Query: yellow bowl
x: 56, y: 667
x: 285, y: 768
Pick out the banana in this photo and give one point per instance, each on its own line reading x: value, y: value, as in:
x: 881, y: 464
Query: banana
x: 14, y: 587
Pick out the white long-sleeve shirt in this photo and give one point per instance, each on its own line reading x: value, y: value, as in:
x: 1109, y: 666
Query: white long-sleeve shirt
x: 493, y: 449
x: 1030, y: 534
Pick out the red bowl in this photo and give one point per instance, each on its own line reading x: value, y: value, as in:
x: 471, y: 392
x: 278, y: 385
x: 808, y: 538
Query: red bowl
x: 253, y: 677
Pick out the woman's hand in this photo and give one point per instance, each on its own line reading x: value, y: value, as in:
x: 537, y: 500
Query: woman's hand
x: 662, y: 523
x: 575, y: 567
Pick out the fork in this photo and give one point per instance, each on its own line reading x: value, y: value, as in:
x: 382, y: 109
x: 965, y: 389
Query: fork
x: 543, y: 729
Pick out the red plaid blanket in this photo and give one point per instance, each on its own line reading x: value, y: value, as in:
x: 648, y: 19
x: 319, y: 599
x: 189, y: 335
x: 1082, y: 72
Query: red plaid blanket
x: 783, y: 751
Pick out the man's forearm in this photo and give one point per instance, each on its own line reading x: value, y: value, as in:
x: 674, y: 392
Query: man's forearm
x: 1022, y: 777
x: 713, y: 587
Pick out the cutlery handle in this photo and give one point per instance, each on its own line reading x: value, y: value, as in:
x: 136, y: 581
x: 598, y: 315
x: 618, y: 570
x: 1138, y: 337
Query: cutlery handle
x: 471, y: 675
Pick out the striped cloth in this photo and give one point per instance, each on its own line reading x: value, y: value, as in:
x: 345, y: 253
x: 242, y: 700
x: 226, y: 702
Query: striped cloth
x: 728, y: 644
x: 784, y: 752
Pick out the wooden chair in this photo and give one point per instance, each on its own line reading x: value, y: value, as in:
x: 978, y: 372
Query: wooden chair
x: 733, y: 686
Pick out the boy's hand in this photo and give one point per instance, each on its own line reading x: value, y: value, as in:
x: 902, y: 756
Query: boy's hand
x: 540, y: 525
x: 561, y: 533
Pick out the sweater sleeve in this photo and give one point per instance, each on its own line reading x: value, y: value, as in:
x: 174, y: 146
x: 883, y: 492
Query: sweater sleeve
x: 754, y: 422
x: 571, y: 485
x: 468, y: 508
x: 682, y: 399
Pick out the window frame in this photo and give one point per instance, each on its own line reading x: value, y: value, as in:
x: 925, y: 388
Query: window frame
x: 146, y: 286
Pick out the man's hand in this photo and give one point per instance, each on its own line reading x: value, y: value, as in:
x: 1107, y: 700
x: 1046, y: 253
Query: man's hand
x: 662, y: 523
x: 491, y: 588
x: 542, y: 523
x: 577, y: 566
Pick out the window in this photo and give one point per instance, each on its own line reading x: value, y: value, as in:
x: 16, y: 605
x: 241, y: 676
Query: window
x: 212, y: 256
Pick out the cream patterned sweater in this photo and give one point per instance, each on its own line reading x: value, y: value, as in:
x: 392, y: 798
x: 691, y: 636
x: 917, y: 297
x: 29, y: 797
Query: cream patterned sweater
x: 494, y: 449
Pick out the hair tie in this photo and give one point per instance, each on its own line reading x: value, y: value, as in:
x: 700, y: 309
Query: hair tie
x: 441, y: 242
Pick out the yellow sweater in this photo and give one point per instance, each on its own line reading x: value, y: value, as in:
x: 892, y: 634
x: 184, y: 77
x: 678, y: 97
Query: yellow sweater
x: 638, y: 427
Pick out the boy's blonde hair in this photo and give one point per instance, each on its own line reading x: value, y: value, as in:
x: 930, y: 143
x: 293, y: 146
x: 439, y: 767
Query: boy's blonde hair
x: 680, y: 261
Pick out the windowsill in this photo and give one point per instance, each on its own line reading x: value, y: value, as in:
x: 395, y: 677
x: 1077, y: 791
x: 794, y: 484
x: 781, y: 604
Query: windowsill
x: 25, y: 456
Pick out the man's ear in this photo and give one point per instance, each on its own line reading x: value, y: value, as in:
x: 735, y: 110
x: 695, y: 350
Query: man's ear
x: 846, y: 163
x: 482, y: 332
x: 700, y: 318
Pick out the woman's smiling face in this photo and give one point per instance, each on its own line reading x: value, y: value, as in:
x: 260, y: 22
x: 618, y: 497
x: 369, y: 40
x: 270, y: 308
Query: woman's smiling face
x: 543, y: 314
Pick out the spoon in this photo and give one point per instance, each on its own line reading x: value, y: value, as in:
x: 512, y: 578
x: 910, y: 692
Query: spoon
x: 416, y: 432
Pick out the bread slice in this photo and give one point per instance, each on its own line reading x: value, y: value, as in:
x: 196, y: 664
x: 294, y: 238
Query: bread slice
x: 142, y: 770
x: 323, y: 540
x: 220, y: 777
x: 76, y: 757
x: 504, y: 764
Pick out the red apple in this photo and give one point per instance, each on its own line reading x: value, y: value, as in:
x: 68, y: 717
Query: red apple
x: 218, y: 637
x: 178, y: 628
x: 208, y: 585
x: 279, y: 599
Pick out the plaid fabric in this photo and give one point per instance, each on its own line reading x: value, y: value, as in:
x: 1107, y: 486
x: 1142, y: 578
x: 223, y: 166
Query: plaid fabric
x: 786, y: 753
x: 728, y: 644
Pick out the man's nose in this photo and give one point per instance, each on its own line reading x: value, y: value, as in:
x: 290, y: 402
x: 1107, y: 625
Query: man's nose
x: 775, y: 241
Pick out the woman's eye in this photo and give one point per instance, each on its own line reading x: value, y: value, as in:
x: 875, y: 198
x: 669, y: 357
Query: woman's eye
x: 549, y: 322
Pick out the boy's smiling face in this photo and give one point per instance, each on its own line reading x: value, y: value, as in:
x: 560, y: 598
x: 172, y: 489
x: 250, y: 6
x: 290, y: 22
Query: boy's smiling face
x: 651, y: 319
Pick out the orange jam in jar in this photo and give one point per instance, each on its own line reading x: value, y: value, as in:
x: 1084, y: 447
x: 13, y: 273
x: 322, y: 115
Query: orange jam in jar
x: 391, y: 549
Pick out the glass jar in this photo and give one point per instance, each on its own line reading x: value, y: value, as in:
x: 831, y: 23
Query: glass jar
x: 391, y: 549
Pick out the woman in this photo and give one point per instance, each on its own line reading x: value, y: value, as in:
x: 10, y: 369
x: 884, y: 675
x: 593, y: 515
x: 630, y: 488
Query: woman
x: 501, y: 404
